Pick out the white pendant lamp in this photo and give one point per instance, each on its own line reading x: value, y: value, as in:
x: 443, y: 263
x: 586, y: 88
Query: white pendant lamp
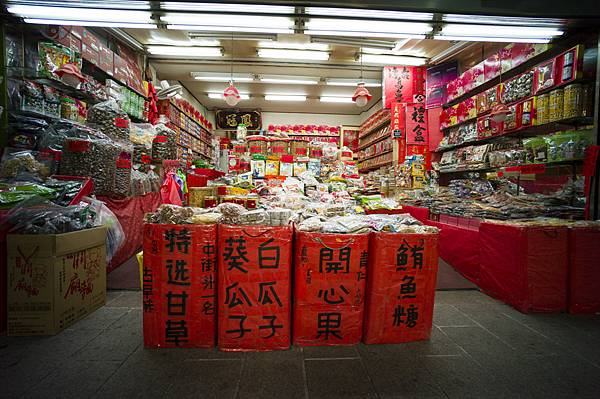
x: 361, y: 95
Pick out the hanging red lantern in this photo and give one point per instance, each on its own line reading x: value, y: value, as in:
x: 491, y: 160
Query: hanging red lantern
x: 231, y: 95
x: 361, y: 96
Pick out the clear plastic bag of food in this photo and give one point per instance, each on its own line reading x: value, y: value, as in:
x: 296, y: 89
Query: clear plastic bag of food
x: 164, y: 144
x: 154, y: 180
x: 103, y: 216
x: 108, y: 117
x: 24, y: 165
x: 123, y: 169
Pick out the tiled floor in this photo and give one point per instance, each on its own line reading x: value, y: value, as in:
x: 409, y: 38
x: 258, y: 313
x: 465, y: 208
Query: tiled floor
x: 479, y: 348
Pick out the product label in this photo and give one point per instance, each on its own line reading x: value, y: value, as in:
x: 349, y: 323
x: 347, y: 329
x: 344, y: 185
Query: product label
x: 121, y: 123
x: 78, y: 145
x: 255, y: 149
x: 146, y: 159
x: 123, y: 164
x: 301, y: 151
x: 278, y: 150
x: 160, y: 139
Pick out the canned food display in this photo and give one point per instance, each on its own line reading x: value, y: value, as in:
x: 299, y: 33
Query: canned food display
x: 573, y: 101
x: 542, y: 108
x: 556, y: 104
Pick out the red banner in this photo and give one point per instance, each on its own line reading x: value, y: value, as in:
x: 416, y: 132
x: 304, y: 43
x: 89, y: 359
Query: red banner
x: 329, y: 286
x: 179, y: 284
x: 400, y: 287
x: 402, y: 83
x: 254, y: 287
x: 397, y: 120
x: 416, y: 124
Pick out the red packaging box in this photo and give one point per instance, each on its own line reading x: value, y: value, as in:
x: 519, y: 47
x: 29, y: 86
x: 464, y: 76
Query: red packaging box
x: 400, y: 287
x: 90, y: 40
x: 584, y: 273
x: 491, y: 67
x: 329, y: 286
x: 255, y: 265
x: 105, y: 59
x: 63, y: 35
x: 179, y: 286
x: 120, y: 68
x: 88, y: 53
x: 524, y: 266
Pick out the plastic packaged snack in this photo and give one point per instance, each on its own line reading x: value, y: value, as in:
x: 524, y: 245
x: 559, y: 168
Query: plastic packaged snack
x: 108, y: 117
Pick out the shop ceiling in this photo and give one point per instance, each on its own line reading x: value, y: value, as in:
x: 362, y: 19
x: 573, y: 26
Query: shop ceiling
x: 288, y: 48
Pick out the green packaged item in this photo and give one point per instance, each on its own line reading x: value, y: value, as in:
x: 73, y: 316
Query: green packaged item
x: 11, y: 195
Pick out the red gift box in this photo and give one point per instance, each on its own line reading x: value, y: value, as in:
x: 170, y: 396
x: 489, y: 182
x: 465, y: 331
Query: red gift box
x: 329, y: 286
x: 179, y: 286
x: 254, y: 287
x: 401, y: 287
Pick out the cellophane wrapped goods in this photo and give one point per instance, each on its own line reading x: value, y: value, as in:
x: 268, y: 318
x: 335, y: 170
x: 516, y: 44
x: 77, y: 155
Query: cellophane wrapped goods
x: 329, y: 288
x: 164, y: 144
x: 254, y: 287
x: 108, y: 117
x: 401, y: 283
x: 179, y: 286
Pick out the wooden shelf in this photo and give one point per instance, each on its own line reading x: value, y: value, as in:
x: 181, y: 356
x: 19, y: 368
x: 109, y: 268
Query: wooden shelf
x: 189, y: 117
x: 374, y: 155
x: 375, y: 128
x: 374, y: 167
x: 366, y: 145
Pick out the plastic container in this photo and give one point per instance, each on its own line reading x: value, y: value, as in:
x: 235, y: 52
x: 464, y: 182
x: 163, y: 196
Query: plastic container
x: 542, y: 108
x: 573, y: 101
x: 556, y: 104
x: 300, y: 148
x: 257, y: 144
x: 279, y: 146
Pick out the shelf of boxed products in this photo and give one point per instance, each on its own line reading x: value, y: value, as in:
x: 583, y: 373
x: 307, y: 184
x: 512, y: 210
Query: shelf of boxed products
x: 205, y: 125
x: 508, y: 62
x: 375, y: 162
x: 186, y: 140
x: 374, y: 155
x: 556, y: 82
x: 374, y: 123
x: 383, y: 134
x: 337, y: 136
x: 533, y: 168
x: 470, y: 132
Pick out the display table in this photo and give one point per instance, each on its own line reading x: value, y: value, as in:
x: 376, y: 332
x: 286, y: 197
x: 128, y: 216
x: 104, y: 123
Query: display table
x: 130, y: 211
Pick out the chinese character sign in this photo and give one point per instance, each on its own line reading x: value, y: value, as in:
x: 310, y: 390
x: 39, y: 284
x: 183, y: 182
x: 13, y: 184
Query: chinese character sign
x: 179, y: 285
x: 330, y: 276
x: 254, y: 287
x: 397, y: 120
x: 416, y: 124
x: 402, y: 83
x: 400, y: 287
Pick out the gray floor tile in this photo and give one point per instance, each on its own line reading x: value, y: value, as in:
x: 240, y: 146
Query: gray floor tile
x: 449, y: 315
x: 101, y: 318
x: 477, y: 342
x: 329, y: 352
x: 77, y: 379
x: 337, y: 379
x: 18, y: 377
x: 136, y: 380
x: 127, y: 299
x: 273, y: 375
x: 439, y: 345
x: 206, y: 379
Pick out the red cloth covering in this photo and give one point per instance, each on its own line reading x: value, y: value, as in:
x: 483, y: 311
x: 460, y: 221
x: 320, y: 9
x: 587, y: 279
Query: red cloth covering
x: 584, y: 270
x: 130, y: 211
x: 525, y: 267
x: 255, y: 264
x: 179, y: 286
x: 459, y: 247
x: 329, y: 287
x: 400, y: 288
x: 419, y: 213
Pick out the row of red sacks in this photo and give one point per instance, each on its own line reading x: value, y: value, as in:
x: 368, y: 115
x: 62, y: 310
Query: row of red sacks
x: 532, y: 268
x: 232, y: 285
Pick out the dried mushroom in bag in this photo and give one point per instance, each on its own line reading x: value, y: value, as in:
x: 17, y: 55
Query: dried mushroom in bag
x: 110, y: 119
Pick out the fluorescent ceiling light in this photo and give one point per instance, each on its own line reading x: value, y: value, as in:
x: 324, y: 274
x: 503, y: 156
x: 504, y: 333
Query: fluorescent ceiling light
x: 284, y: 97
x: 284, y: 79
x: 367, y: 28
x: 392, y: 60
x: 492, y: 39
x: 360, y: 13
x: 293, y: 54
x: 351, y: 82
x: 222, y: 77
x: 80, y: 14
x: 241, y: 30
x: 294, y: 46
x: 217, y: 21
x: 114, y: 4
x: 500, y: 31
x: 363, y: 34
x: 102, y: 24
x: 219, y: 96
x: 217, y: 7
x: 185, y: 51
x: 331, y: 99
x: 158, y: 40
x: 487, y: 19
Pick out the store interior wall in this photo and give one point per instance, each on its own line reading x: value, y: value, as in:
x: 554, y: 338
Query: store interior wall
x: 288, y: 118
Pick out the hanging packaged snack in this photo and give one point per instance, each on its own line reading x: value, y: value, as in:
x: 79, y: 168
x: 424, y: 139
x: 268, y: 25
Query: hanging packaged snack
x: 110, y: 119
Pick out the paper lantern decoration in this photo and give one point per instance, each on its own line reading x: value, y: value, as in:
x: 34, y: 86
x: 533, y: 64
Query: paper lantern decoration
x: 361, y: 96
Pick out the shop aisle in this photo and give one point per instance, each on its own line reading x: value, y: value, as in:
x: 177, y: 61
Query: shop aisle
x: 480, y: 348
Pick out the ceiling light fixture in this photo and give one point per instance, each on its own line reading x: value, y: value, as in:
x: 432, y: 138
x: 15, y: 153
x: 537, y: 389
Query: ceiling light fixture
x: 185, y: 51
x: 366, y: 28
x: 362, y: 13
x: 351, y: 82
x: 333, y: 99
x: 219, y: 96
x: 293, y: 54
x: 294, y: 46
x: 382, y: 59
x: 497, y: 20
x: 102, y: 24
x: 222, y: 77
x: 228, y: 23
x: 285, y: 97
x: 534, y: 32
x: 493, y: 39
x: 387, y: 44
x: 218, y: 7
x: 81, y: 14
x: 284, y: 79
x: 231, y: 94
x: 361, y: 95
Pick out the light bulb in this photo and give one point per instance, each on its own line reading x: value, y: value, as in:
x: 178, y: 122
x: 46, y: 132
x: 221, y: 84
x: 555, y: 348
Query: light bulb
x: 361, y: 101
x: 231, y: 100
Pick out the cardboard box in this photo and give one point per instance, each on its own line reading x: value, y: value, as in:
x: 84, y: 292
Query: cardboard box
x: 54, y: 280
x: 105, y: 59
x: 120, y: 68
x: 90, y: 40
x: 88, y: 53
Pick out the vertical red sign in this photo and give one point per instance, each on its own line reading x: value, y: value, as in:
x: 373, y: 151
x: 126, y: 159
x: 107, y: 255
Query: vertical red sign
x: 416, y: 124
x: 402, y: 83
x: 397, y: 120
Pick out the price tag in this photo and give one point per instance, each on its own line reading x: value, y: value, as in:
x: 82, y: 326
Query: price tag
x: 160, y: 139
x: 146, y: 159
x: 79, y: 145
x: 123, y: 164
x: 122, y: 123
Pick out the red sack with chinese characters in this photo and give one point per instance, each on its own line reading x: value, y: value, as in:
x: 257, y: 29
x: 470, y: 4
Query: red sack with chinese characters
x: 179, y: 285
x: 329, y: 286
x: 584, y: 270
x: 254, y: 287
x: 400, y: 287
